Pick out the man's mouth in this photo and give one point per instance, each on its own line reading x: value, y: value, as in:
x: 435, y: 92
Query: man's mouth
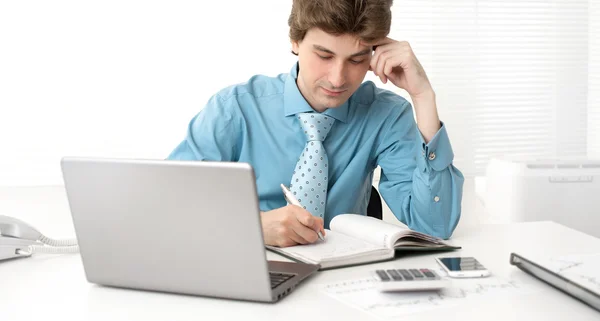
x: 332, y: 92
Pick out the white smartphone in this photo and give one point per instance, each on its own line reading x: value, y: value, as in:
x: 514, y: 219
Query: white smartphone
x: 463, y: 267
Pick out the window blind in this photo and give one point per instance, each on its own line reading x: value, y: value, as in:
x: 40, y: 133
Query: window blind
x: 594, y: 82
x: 511, y: 77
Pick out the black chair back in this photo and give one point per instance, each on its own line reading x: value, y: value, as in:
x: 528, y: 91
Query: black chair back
x: 375, y: 208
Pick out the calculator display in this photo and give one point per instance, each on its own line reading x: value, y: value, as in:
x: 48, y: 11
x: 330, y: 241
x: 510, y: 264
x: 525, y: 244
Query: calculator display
x: 462, y: 264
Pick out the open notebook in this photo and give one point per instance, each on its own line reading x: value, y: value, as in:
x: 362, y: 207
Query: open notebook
x: 356, y: 239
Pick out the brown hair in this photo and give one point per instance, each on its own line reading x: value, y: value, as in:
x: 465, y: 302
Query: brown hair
x: 367, y: 19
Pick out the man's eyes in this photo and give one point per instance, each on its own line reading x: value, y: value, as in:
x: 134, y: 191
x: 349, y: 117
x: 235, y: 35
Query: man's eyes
x: 352, y: 61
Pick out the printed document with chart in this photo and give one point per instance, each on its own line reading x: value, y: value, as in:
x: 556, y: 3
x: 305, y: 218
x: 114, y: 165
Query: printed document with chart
x: 355, y: 239
x: 576, y: 275
x: 364, y: 294
x: 581, y: 269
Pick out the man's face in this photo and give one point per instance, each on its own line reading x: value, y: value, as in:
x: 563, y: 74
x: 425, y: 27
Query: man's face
x: 331, y: 67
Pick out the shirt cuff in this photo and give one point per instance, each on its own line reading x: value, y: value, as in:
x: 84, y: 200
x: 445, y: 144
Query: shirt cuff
x: 437, y: 154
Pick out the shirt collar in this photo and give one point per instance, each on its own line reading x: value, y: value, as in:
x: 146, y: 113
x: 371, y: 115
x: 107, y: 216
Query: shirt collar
x: 294, y: 102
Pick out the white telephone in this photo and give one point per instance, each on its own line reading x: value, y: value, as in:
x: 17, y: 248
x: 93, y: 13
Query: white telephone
x: 19, y: 239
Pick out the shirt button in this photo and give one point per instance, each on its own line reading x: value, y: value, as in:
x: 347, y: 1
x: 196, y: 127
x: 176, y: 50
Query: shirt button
x: 431, y: 156
x: 423, y: 152
x: 436, y: 199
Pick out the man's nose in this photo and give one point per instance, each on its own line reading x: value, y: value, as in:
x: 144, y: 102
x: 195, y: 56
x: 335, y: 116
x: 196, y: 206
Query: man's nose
x: 337, y: 75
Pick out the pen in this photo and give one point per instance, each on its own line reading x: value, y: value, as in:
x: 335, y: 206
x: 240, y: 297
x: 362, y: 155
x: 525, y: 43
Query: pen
x: 292, y: 200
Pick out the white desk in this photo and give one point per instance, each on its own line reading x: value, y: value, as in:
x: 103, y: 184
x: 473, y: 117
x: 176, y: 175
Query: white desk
x: 54, y: 287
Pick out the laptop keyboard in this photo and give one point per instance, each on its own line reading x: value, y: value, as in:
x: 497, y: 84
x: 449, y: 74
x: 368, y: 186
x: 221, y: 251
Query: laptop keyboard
x: 278, y: 278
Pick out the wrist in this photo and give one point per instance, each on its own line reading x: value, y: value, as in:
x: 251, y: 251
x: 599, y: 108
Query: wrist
x: 426, y: 113
x: 425, y: 99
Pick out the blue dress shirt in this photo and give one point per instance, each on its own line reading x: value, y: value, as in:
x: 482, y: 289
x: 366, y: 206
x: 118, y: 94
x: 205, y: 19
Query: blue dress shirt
x: 254, y: 122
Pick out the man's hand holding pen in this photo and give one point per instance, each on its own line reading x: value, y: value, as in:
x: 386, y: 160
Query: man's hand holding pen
x: 291, y: 224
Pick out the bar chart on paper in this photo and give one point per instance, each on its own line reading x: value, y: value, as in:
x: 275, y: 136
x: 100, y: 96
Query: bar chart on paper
x: 364, y: 295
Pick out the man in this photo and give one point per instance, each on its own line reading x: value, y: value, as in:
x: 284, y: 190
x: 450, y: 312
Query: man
x: 322, y: 131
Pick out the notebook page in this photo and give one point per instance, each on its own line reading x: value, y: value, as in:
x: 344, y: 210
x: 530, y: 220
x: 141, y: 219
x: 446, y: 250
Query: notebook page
x: 369, y: 229
x: 336, y: 247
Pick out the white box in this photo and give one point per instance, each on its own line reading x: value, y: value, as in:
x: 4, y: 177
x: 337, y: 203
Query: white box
x: 566, y: 191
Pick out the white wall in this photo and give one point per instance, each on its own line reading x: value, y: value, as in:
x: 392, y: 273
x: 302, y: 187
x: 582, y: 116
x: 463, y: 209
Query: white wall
x: 121, y: 78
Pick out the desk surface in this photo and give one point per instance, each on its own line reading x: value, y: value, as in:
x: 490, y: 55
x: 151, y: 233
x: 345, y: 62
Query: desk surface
x: 55, y: 286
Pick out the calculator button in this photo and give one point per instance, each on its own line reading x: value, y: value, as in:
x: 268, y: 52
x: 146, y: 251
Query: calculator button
x: 395, y: 275
x: 416, y: 273
x: 403, y: 280
x: 382, y: 275
x: 406, y: 275
x: 428, y: 273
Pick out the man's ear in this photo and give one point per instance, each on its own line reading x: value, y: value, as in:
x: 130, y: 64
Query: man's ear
x: 295, y: 47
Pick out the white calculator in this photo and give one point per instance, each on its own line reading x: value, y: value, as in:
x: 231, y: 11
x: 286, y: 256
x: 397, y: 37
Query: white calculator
x: 410, y: 280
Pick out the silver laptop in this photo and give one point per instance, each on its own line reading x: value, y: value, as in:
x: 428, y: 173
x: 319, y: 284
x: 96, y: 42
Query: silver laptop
x: 185, y: 227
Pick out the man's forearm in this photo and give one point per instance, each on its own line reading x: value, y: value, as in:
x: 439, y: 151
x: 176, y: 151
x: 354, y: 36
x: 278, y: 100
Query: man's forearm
x: 428, y: 120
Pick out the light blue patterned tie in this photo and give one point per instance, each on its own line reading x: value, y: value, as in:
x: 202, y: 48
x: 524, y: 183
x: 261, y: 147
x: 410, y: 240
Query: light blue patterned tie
x: 309, y: 181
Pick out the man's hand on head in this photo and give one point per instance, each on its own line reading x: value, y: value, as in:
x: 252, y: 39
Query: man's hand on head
x: 395, y: 61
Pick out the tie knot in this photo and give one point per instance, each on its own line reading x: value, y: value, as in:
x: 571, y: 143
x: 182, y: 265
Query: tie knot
x: 315, y: 126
